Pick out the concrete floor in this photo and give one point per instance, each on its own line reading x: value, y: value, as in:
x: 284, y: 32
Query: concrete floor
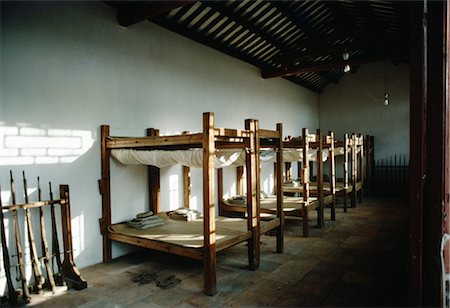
x: 359, y: 260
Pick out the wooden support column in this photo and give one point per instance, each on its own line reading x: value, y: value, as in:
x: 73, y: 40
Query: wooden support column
x: 319, y: 175
x: 253, y: 193
x: 105, y: 191
x: 154, y: 181
x: 70, y: 272
x: 240, y: 180
x: 305, y: 181
x: 353, y: 171
x: 280, y: 211
x: 187, y: 186
x: 332, y: 166
x: 346, y: 187
x: 220, y: 190
x: 209, y: 223
x: 361, y: 167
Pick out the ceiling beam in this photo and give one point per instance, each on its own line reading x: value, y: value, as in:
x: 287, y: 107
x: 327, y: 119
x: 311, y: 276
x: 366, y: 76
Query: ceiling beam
x: 134, y: 12
x: 319, y: 67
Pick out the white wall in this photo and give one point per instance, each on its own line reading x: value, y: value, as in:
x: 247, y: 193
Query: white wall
x: 355, y: 104
x: 67, y: 68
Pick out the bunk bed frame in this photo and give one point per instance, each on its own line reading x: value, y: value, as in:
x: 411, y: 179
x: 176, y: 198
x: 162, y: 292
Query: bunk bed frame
x: 264, y: 139
x: 210, y: 139
x: 344, y: 187
x: 357, y: 141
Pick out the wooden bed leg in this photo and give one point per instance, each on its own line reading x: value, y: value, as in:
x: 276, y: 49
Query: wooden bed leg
x: 345, y: 200
x: 253, y: 193
x: 105, y: 191
x: 280, y: 211
x: 305, y: 222
x: 70, y: 272
x: 209, y: 223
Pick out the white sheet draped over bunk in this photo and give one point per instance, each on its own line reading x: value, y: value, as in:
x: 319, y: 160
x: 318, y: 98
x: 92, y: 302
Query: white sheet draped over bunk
x: 194, y: 158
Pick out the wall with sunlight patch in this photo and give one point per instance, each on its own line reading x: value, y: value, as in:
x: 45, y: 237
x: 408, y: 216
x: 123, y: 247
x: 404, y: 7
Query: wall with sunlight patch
x: 68, y: 67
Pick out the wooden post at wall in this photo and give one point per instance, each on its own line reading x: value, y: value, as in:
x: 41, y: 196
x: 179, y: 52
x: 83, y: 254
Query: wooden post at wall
x: 280, y: 212
x: 187, y: 186
x: 105, y: 191
x: 209, y: 224
x: 154, y: 181
x: 253, y: 193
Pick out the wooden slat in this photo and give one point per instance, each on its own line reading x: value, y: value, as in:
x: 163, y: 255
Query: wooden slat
x: 265, y: 133
x: 31, y: 205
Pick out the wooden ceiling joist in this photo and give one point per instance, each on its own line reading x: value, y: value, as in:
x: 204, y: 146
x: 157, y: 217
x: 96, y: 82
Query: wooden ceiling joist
x: 312, y: 68
x: 134, y: 12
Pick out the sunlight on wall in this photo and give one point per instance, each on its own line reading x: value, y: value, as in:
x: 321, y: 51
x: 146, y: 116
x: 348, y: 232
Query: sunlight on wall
x: 78, y: 235
x: 174, y: 192
x: 268, y: 185
x: 23, y: 145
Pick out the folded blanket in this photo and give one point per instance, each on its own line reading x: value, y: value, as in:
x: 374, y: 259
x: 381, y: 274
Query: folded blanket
x: 145, y: 220
x: 185, y: 214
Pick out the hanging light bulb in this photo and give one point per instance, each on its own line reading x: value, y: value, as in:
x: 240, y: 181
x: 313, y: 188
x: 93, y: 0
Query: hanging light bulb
x: 346, y: 68
x: 345, y: 56
x: 386, y: 95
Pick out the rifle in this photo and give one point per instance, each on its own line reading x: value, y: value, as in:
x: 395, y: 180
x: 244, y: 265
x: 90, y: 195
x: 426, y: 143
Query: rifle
x: 38, y: 278
x: 12, y: 296
x: 46, y: 257
x: 59, y: 278
x: 26, y: 292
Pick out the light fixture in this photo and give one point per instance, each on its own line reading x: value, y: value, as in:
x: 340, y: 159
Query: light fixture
x: 346, y: 68
x: 386, y: 95
x: 346, y: 56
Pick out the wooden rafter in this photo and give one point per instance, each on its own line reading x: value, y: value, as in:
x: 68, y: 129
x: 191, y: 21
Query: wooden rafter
x: 318, y: 67
x: 134, y: 12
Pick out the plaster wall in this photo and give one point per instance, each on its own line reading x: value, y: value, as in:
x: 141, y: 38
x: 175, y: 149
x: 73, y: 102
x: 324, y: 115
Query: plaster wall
x: 356, y: 105
x: 68, y: 67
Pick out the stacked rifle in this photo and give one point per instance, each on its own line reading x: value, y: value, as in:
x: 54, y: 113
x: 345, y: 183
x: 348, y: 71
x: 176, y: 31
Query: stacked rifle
x: 53, y: 278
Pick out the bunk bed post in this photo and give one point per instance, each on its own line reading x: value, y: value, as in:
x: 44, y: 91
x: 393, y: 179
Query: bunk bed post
x: 70, y: 271
x: 288, y: 171
x: 240, y: 180
x: 253, y: 192
x: 209, y: 227
x: 154, y: 180
x: 220, y: 189
x: 105, y: 191
x: 319, y: 174
x: 332, y: 174
x: 279, y: 190
x: 187, y: 186
x: 354, y: 170
x: 368, y: 169
x: 361, y: 166
x: 187, y: 183
x: 275, y: 177
x: 346, y: 172
x: 305, y: 181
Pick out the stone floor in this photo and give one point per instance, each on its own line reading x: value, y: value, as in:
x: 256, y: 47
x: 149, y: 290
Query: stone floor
x: 359, y: 260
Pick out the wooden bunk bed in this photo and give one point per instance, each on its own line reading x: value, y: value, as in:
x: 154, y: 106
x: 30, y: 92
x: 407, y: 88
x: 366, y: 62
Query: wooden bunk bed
x: 343, y: 185
x: 270, y: 208
x: 179, y: 237
x: 318, y: 193
x: 357, y: 168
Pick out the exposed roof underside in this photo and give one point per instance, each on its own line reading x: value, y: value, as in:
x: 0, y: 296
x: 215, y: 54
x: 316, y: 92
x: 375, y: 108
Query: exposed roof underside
x: 302, y: 41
